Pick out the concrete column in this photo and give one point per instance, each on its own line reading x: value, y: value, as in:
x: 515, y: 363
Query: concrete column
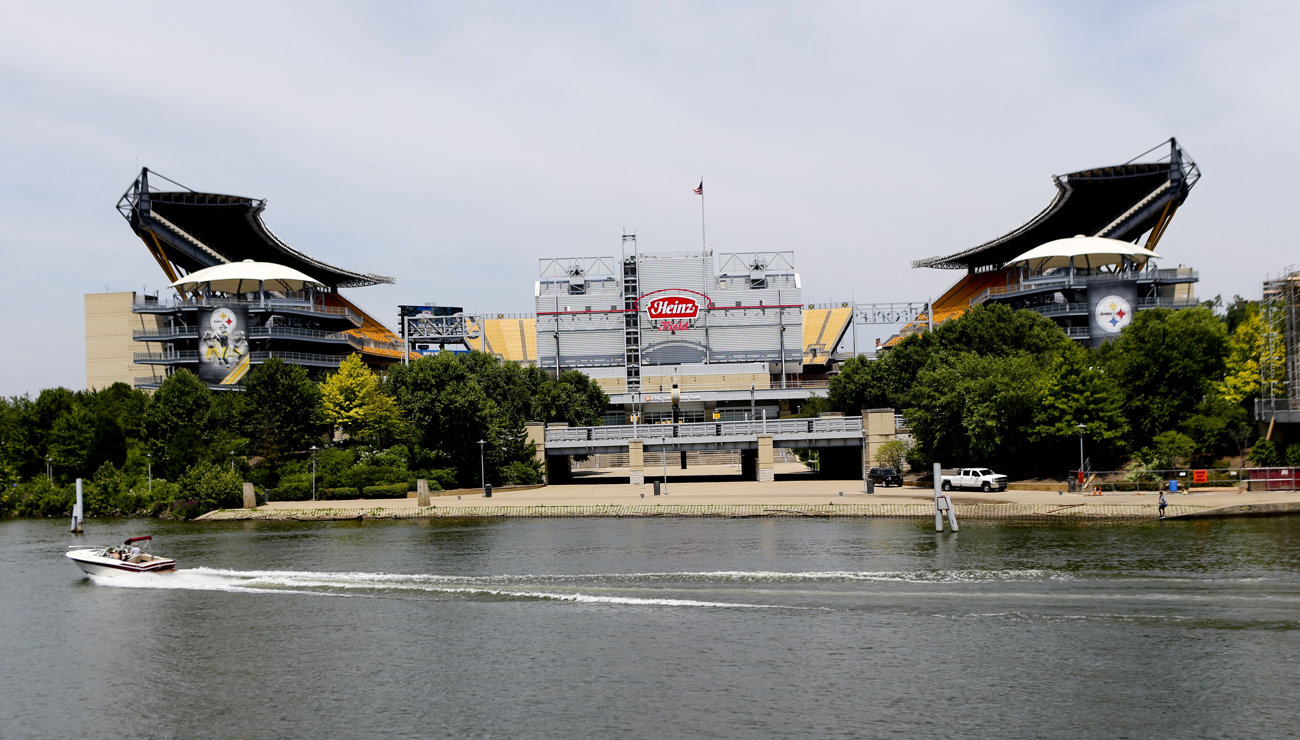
x: 535, y: 432
x: 636, y: 461
x: 250, y: 498
x: 766, y: 469
x: 878, y: 428
x: 422, y: 491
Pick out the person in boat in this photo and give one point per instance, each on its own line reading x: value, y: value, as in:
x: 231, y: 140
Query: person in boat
x: 135, y: 552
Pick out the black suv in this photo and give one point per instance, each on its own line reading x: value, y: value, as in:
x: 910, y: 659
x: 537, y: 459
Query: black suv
x: 885, y: 477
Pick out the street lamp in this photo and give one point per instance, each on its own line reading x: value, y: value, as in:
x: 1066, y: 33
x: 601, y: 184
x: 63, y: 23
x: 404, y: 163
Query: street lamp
x: 232, y: 461
x: 49, y: 470
x: 1081, y: 427
x: 148, y: 456
x: 482, y: 471
x: 313, y: 472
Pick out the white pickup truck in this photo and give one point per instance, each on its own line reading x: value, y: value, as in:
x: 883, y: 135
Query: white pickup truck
x: 981, y: 478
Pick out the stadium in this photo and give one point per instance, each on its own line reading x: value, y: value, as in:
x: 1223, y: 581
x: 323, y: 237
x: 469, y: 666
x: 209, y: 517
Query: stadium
x: 717, y: 347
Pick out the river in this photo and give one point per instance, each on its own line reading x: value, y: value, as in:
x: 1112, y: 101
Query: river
x: 651, y: 628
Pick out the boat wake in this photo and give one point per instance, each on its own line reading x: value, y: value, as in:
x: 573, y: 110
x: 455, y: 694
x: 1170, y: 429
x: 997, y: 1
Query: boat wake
x: 587, y: 589
x: 709, y: 589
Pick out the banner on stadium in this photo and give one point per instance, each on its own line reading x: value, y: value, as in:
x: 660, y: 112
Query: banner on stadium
x: 1112, y: 309
x: 673, y: 310
x: 223, y: 342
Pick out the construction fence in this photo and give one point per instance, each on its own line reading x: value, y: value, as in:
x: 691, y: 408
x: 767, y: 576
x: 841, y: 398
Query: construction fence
x: 1186, y: 479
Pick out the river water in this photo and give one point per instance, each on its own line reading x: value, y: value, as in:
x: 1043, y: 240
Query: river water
x: 657, y: 628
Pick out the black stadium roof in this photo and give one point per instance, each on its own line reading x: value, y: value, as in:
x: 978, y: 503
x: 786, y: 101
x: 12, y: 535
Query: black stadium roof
x: 188, y: 231
x: 1120, y: 202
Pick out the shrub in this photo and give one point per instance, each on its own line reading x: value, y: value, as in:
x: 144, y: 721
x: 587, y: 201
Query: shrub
x: 39, y: 497
x: 440, y: 479
x: 294, y: 487
x: 1292, y: 456
x: 1265, y: 454
x: 213, y: 486
x: 187, y: 509
x: 893, y: 454
x: 337, y: 493
x: 520, y: 473
x: 388, y: 490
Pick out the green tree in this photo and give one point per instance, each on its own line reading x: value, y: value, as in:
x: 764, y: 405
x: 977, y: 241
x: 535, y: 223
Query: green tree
x: 446, y: 408
x: 893, y: 454
x: 1077, y: 391
x: 212, y: 486
x: 974, y: 410
x: 283, y: 409
x: 70, y: 444
x: 1242, y: 361
x: 573, y: 398
x: 353, y: 401
x: 1166, y: 361
x: 177, y: 428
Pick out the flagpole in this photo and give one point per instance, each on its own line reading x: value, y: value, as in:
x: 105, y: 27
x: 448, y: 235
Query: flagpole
x: 704, y: 238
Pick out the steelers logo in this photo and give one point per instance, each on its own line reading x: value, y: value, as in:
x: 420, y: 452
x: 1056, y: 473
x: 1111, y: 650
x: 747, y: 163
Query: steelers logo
x: 222, y: 321
x: 1113, y: 313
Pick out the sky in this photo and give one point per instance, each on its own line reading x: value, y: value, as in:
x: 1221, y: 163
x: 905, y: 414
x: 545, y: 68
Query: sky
x: 454, y: 145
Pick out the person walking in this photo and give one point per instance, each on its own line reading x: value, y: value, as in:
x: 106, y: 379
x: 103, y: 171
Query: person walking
x: 1163, y: 504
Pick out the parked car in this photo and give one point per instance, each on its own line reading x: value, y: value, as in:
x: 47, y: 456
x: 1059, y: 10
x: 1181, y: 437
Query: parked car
x: 885, y: 477
x: 981, y: 478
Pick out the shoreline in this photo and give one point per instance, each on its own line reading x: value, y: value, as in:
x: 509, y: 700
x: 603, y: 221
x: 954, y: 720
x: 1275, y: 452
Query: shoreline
x: 798, y: 498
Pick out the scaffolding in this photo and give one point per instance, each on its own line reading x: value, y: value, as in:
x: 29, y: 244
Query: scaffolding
x: 1279, y: 351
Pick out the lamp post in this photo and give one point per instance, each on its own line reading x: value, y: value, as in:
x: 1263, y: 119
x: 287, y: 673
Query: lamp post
x: 148, y: 456
x: 313, y: 472
x: 49, y: 469
x: 1081, y: 427
x: 232, y: 461
x: 482, y: 470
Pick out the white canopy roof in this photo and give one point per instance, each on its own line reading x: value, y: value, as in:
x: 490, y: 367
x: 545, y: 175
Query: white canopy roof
x: 1085, y: 251
x: 246, y: 277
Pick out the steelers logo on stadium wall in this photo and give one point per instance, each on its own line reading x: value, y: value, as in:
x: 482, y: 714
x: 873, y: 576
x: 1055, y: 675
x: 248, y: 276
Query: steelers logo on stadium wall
x: 223, y: 321
x: 1113, y: 313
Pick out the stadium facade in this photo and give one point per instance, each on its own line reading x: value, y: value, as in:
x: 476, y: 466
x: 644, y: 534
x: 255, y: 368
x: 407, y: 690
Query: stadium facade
x: 727, y: 331
x: 220, y: 329
x: 1132, y: 202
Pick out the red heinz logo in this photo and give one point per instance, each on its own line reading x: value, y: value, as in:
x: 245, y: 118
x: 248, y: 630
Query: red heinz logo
x: 673, y: 307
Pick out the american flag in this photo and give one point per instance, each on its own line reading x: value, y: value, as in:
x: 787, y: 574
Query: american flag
x: 700, y: 189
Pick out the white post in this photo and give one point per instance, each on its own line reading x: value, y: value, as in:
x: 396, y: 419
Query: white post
x: 78, y: 510
x: 938, y: 515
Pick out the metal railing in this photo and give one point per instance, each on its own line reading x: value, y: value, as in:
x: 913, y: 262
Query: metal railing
x: 182, y: 332
x: 1188, y: 479
x: 260, y: 356
x: 1035, y: 285
x: 696, y: 430
x: 652, y: 386
x: 300, y: 302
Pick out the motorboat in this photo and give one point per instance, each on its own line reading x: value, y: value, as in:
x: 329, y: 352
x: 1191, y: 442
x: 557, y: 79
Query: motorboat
x: 129, y: 557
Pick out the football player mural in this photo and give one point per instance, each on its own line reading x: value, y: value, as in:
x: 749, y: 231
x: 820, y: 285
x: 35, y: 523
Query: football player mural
x: 223, y: 342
